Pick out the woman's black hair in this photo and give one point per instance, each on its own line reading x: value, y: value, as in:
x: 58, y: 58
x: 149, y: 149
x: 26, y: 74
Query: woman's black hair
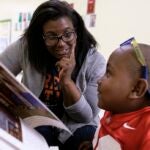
x: 38, y: 54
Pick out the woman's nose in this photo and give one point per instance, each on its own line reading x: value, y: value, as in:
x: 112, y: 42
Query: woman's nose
x: 61, y: 42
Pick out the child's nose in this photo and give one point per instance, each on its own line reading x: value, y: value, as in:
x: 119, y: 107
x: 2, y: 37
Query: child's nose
x: 99, y: 81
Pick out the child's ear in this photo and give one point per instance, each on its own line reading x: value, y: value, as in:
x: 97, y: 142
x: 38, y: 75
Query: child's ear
x: 140, y: 89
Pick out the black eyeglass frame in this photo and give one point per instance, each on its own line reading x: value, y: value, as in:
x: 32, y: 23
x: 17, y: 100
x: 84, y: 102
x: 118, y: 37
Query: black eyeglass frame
x: 59, y: 37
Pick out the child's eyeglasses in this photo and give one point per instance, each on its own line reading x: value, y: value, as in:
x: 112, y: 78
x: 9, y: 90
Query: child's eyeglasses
x: 140, y: 58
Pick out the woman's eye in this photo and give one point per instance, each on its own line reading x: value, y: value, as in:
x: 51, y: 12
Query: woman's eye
x: 68, y: 34
x: 52, y: 37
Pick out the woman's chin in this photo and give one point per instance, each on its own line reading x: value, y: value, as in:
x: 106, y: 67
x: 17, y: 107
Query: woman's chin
x: 60, y: 56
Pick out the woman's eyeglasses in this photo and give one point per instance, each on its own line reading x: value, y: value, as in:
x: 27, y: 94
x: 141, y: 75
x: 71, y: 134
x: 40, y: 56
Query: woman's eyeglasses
x: 52, y: 40
x: 140, y: 58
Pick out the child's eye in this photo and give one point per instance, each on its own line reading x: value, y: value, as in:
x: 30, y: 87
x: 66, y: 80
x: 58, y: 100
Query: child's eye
x: 108, y: 73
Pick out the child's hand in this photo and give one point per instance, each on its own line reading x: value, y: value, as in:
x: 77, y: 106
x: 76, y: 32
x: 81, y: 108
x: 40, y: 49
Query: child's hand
x: 87, y: 145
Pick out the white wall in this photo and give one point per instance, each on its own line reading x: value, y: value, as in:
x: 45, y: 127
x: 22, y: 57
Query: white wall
x: 116, y: 20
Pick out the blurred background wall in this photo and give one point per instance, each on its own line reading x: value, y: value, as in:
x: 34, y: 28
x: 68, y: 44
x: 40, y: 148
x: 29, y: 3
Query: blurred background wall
x: 114, y: 20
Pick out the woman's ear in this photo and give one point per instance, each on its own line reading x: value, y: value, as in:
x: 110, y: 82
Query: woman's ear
x: 139, y: 89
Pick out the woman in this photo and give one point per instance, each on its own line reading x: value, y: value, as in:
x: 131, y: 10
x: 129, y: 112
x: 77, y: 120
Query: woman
x: 60, y: 66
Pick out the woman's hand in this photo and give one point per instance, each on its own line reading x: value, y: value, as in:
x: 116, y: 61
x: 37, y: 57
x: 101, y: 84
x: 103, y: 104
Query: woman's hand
x: 66, y: 66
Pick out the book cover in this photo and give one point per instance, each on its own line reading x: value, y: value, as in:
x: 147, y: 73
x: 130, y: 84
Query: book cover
x: 23, y: 103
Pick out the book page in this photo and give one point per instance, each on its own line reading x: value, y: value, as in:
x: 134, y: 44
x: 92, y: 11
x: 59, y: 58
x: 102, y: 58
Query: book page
x: 10, y: 123
x: 23, y: 103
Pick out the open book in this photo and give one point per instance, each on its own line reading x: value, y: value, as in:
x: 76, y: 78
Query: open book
x: 23, y: 103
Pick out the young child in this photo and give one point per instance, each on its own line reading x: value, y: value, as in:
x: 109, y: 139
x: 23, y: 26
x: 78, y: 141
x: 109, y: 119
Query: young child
x: 124, y: 91
x: 124, y: 94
